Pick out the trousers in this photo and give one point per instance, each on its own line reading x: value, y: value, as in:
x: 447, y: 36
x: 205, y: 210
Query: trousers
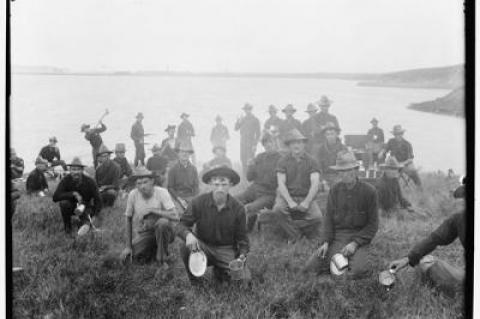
x: 152, y: 242
x: 254, y: 199
x: 67, y: 208
x: 139, y: 154
x: 441, y: 274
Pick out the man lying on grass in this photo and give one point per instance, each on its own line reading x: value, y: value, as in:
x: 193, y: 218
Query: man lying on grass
x: 350, y: 223
x: 151, y: 213
x: 219, y: 221
x: 438, y: 272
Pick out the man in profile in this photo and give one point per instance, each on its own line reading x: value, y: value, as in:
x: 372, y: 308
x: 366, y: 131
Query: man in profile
x: 93, y: 136
x: 215, y: 224
x: 51, y: 153
x: 107, y: 176
x: 249, y: 127
x: 138, y: 136
x: 150, y: 221
x: 74, y: 189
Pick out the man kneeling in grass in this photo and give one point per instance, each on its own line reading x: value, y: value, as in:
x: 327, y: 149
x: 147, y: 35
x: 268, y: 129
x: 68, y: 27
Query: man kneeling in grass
x: 219, y: 221
x: 350, y: 223
x: 151, y: 213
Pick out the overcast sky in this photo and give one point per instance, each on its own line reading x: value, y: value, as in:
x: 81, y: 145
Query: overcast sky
x: 240, y: 35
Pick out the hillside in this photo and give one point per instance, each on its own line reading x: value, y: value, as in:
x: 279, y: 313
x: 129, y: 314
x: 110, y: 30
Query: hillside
x: 449, y: 77
x: 452, y: 104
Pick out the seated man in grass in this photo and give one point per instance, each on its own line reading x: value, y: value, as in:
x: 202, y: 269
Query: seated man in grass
x: 390, y: 195
x: 295, y: 210
x: 151, y: 214
x: 36, y: 181
x: 261, y: 171
x: 107, y: 175
x: 328, y: 152
x: 121, y: 160
x: 350, y: 223
x: 447, y: 277
x: 77, y: 188
x: 215, y: 223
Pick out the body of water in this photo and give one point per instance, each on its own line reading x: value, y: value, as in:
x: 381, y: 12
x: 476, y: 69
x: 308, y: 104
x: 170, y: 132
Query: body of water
x: 46, y: 105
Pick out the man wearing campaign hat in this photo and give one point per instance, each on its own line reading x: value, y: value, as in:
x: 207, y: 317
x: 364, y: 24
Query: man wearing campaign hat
x: 390, y: 195
x: 150, y: 221
x: 168, y: 146
x: 309, y: 128
x: 273, y: 120
x: 93, y: 136
x: 214, y: 223
x: 295, y: 210
x: 324, y: 116
x: 157, y: 164
x: 290, y: 122
x: 36, y: 181
x: 328, y: 152
x: 350, y: 223
x: 183, y: 183
x: 74, y: 189
x: 402, y: 150
x: 375, y: 142
x: 185, y: 131
x: 138, y: 136
x: 51, y: 153
x: 249, y: 127
x: 219, y: 135
x: 107, y: 175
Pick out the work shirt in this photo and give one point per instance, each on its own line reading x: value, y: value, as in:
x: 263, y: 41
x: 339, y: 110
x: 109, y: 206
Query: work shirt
x: 297, y: 173
x: 262, y: 171
x: 402, y: 150
x: 351, y: 210
x: 183, y: 180
x: 390, y: 193
x: 94, y: 137
x: 157, y: 164
x: 185, y: 131
x: 289, y: 124
x: 125, y: 168
x: 36, y: 181
x: 108, y: 173
x: 217, y: 228
x: 168, y: 147
x: 86, y: 187
x: 219, y: 135
x: 137, y: 133
x: 327, y: 155
x: 324, y: 118
x: 50, y: 153
x: 451, y: 229
x: 272, y: 121
x: 249, y: 127
x: 138, y: 206
x: 16, y: 167
x: 375, y: 135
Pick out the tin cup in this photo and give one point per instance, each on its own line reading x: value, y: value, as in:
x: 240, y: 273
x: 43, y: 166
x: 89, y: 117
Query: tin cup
x: 340, y: 261
x: 41, y: 194
x: 236, y: 269
x: 387, y: 279
x: 79, y: 209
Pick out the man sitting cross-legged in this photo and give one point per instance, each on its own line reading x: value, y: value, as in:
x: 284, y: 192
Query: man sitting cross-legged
x: 214, y: 222
x: 262, y: 172
x: 151, y: 214
x: 295, y: 211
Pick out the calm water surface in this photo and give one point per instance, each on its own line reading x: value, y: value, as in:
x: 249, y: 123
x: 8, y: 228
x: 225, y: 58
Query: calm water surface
x: 57, y: 105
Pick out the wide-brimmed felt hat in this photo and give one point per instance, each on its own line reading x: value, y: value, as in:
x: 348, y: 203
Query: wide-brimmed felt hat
x: 185, y: 147
x: 141, y: 172
x: 40, y: 160
x: 139, y: 115
x: 247, y: 106
x: 217, y: 147
x: 184, y: 115
x: 170, y: 127
x: 103, y: 150
x: 272, y: 108
x: 120, y: 147
x: 345, y: 161
x: 84, y: 127
x: 374, y: 120
x: 223, y: 171
x: 218, y: 118
x: 53, y: 139
x: 294, y: 135
x: 156, y: 147
x: 330, y: 126
x: 289, y: 108
x: 397, y: 129
x: 324, y: 101
x: 390, y: 163
x: 311, y: 108
x: 76, y: 161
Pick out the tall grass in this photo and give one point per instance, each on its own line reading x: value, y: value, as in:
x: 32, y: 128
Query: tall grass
x: 68, y: 277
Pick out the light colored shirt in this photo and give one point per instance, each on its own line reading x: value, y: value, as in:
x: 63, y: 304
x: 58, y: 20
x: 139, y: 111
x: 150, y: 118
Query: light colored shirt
x: 138, y: 206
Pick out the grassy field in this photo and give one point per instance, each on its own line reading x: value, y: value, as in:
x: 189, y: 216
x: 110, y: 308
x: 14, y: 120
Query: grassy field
x: 67, y: 277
